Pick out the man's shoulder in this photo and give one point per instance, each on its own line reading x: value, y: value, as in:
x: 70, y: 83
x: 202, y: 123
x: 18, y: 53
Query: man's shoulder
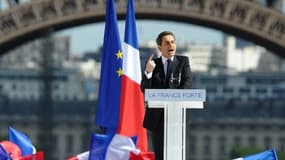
x: 181, y: 58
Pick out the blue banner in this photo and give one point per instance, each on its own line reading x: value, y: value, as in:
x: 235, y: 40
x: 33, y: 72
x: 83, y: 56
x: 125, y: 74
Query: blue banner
x: 107, y: 115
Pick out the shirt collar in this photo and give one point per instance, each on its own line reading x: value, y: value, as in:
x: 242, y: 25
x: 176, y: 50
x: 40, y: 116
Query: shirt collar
x: 164, y: 59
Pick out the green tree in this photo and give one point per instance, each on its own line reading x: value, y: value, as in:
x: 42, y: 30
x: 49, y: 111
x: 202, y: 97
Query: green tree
x: 2, y: 138
x: 241, y: 151
x: 280, y: 155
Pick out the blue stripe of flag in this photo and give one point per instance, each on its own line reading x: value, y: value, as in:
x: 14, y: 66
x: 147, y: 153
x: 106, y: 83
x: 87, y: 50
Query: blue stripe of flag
x: 131, y: 29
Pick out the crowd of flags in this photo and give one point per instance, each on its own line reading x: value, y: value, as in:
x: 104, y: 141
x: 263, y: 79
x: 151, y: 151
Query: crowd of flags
x: 103, y: 146
x: 120, y: 108
x: 18, y: 147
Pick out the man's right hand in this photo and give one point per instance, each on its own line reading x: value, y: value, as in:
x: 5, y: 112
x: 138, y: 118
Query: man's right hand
x: 150, y: 64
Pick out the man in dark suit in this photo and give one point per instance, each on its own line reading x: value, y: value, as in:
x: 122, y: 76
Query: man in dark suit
x: 169, y: 71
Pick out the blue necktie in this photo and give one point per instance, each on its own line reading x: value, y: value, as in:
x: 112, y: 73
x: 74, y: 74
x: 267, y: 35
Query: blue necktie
x: 168, y: 70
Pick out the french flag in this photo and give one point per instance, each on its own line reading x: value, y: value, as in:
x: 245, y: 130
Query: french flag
x: 21, y: 140
x: 9, y: 151
x: 109, y: 147
x: 266, y: 155
x: 132, y: 99
x: 81, y: 156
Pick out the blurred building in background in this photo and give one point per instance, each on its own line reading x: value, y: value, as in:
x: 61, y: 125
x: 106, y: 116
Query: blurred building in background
x: 205, y: 57
x: 72, y: 77
x: 30, y: 56
x: 243, y: 110
x: 73, y: 95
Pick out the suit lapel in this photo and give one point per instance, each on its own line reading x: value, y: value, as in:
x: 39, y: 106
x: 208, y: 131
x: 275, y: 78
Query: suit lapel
x: 161, y: 70
x: 174, y: 64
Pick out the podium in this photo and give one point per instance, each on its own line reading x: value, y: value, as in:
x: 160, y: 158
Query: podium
x: 175, y: 102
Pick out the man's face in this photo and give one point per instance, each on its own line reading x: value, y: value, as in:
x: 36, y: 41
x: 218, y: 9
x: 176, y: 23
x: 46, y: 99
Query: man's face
x: 168, y: 46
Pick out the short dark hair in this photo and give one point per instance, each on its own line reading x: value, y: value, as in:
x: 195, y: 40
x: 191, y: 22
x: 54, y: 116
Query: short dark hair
x: 162, y: 34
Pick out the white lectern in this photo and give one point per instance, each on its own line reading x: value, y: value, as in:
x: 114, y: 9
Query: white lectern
x: 175, y: 102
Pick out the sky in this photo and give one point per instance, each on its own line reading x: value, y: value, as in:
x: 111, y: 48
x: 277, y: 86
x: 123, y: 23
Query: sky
x: 90, y: 37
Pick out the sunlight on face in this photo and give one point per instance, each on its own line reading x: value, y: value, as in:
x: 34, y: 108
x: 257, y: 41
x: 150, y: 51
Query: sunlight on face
x: 168, y: 46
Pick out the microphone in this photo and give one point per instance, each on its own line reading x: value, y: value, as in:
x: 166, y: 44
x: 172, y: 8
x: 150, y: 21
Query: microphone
x: 174, y: 81
x: 171, y: 78
x: 179, y: 77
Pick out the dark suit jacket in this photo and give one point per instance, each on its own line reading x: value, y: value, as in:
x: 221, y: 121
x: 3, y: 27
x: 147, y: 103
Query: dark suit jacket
x: 181, y: 74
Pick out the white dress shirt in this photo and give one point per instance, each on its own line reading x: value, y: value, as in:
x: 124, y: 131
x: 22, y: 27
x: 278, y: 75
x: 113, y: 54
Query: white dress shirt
x: 164, y: 62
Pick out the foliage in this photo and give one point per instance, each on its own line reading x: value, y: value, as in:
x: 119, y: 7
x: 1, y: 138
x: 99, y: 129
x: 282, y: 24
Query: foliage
x: 2, y: 138
x: 241, y: 151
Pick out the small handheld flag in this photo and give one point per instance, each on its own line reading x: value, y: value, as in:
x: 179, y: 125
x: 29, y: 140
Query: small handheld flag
x: 266, y: 155
x: 22, y: 141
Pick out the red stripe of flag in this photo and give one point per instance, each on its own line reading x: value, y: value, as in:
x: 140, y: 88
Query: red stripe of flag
x: 132, y: 112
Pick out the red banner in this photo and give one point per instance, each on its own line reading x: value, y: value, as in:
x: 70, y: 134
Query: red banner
x: 37, y: 156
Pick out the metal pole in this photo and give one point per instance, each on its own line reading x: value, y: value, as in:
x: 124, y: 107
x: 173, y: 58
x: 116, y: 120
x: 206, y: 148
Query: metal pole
x: 46, y: 106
